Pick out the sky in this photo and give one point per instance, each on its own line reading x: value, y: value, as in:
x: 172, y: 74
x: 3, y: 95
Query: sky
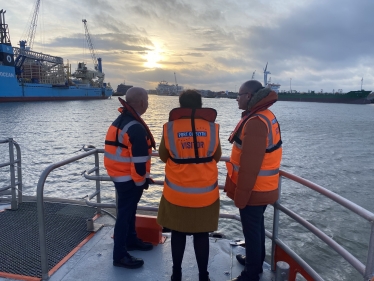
x: 308, y: 45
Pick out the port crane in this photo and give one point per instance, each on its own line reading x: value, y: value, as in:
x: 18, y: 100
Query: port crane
x: 90, y: 45
x: 32, y: 28
x: 253, y: 75
x: 266, y: 75
x: 90, y: 76
x: 24, y: 54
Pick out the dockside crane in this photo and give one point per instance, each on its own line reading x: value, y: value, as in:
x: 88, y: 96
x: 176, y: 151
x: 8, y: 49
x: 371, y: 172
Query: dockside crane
x: 24, y: 53
x: 266, y: 75
x: 32, y: 28
x: 82, y: 72
x: 253, y: 75
x: 96, y: 62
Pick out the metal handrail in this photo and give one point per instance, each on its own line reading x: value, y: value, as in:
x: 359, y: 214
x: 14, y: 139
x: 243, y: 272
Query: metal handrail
x: 16, y: 197
x: 367, y: 271
x: 40, y: 207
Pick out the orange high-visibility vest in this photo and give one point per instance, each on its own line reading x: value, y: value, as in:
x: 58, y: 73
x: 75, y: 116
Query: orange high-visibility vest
x: 118, y: 158
x: 191, y: 174
x: 268, y: 177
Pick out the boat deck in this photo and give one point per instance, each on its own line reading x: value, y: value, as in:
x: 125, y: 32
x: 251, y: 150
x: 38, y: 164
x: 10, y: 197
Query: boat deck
x: 93, y: 260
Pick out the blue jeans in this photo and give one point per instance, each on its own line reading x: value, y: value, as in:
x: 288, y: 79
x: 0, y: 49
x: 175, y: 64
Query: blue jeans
x: 252, y: 218
x: 128, y: 196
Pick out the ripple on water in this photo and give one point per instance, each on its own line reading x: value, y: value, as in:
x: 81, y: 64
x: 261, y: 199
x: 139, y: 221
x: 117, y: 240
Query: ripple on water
x: 329, y: 144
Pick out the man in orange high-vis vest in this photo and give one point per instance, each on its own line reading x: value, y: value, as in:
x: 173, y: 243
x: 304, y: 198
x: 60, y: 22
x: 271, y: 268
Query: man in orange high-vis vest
x: 253, y: 170
x: 127, y: 158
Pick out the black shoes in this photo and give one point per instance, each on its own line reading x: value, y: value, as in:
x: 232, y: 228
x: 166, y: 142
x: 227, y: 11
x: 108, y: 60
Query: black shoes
x: 140, y: 245
x: 241, y: 259
x: 129, y: 262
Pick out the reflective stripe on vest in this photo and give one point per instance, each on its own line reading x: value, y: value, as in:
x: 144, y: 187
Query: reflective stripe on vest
x: 134, y: 159
x: 129, y: 178
x: 261, y: 173
x: 268, y: 176
x: 270, y: 134
x: 173, y: 149
x: 194, y: 184
x: 190, y: 189
x: 118, y: 159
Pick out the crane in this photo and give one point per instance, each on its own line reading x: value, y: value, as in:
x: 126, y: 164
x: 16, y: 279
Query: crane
x: 266, y: 75
x: 32, y: 28
x: 253, y: 74
x: 82, y: 72
x: 96, y: 62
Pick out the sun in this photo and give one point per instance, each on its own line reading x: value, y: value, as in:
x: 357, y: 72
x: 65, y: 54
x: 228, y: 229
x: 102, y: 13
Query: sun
x: 153, y: 57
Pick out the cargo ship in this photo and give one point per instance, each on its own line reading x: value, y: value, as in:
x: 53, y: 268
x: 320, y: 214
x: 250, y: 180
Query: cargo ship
x: 26, y: 75
x: 122, y: 89
x: 352, y: 97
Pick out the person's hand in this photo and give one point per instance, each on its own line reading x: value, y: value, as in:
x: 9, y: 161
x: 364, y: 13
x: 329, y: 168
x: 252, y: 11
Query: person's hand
x: 239, y: 204
x: 148, y: 181
x: 239, y: 200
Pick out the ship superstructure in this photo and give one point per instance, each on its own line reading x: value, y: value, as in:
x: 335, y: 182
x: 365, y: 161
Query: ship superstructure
x: 26, y: 75
x: 267, y: 83
x: 166, y: 89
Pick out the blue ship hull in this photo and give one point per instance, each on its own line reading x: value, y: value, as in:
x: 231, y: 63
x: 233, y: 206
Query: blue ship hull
x: 12, y: 90
x: 26, y: 75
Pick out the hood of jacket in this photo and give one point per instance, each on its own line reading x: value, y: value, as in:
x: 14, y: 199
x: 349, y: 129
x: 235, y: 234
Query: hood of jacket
x: 262, y: 99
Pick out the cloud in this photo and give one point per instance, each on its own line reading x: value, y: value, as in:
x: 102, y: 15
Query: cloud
x: 213, y: 45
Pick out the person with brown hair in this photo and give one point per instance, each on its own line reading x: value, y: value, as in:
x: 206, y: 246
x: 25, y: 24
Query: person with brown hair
x: 190, y: 147
x: 253, y: 170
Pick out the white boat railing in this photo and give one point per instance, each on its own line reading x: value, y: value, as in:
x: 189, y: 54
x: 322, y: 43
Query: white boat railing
x: 366, y: 270
x: 15, y: 188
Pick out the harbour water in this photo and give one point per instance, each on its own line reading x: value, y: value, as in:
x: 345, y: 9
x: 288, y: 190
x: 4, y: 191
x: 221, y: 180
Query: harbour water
x: 329, y: 144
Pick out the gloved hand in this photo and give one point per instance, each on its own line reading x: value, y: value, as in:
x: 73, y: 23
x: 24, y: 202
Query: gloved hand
x: 148, y: 181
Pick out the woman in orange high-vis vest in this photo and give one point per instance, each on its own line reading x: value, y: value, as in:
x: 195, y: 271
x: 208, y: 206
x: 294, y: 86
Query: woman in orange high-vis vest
x: 253, y: 171
x: 190, y: 147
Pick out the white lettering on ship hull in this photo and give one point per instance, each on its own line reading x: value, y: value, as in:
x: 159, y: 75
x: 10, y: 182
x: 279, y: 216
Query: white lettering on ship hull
x: 7, y: 74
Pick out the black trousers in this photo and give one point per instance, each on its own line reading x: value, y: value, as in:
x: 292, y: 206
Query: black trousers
x: 201, y: 247
x: 128, y: 196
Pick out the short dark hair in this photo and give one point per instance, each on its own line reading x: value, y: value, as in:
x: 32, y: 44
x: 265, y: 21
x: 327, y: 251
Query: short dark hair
x: 190, y: 99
